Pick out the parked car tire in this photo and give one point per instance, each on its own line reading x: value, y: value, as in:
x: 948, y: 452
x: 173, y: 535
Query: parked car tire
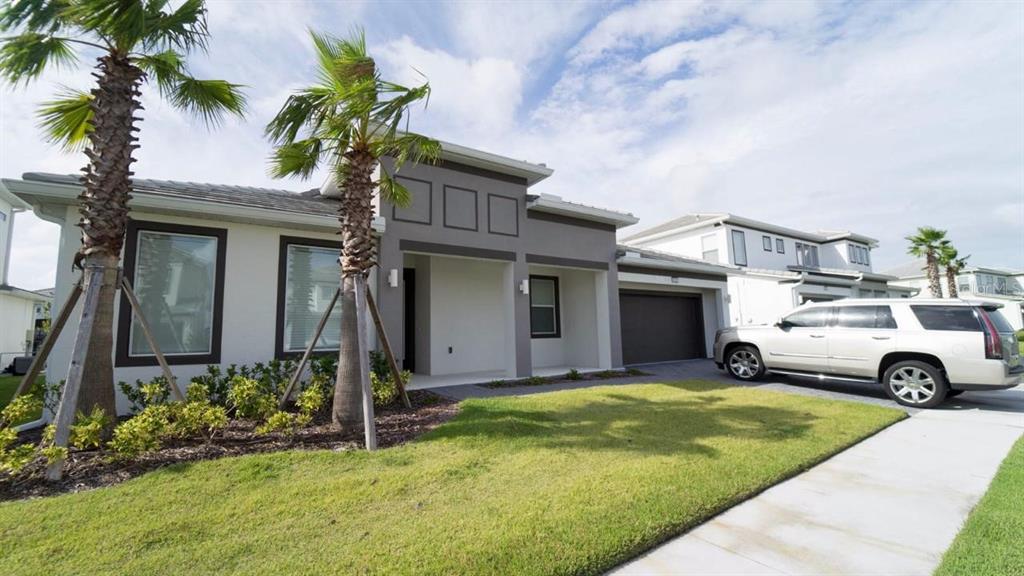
x: 744, y: 363
x: 915, y: 384
x: 954, y: 393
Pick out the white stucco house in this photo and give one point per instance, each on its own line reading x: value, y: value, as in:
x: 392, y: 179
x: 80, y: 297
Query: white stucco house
x: 772, y: 268
x: 17, y: 306
x: 1003, y: 286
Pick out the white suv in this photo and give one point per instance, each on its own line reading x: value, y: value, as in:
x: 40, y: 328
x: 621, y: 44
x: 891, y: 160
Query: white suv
x: 921, y: 350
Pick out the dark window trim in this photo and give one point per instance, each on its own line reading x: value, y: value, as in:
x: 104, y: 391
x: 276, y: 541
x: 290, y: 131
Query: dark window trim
x: 124, y: 321
x: 406, y: 245
x: 430, y: 208
x: 567, y: 262
x: 732, y: 238
x: 558, y: 308
x: 490, y: 228
x: 473, y: 170
x: 766, y: 243
x: 444, y: 208
x: 780, y: 245
x: 282, y: 277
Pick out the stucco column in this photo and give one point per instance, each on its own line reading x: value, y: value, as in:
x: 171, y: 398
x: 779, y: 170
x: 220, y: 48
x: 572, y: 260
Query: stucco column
x: 614, y: 326
x: 389, y: 299
x: 521, y: 318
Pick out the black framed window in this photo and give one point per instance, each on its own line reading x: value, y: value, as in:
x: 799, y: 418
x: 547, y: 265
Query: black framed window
x: 780, y: 246
x: 864, y: 317
x: 177, y: 273
x: 545, y: 312
x: 766, y: 243
x: 307, y: 278
x: 806, y: 255
x: 739, y: 248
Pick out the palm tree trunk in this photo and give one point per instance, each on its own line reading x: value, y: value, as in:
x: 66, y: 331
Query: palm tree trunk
x: 104, y: 207
x: 934, y: 286
x: 357, y: 257
x: 951, y: 282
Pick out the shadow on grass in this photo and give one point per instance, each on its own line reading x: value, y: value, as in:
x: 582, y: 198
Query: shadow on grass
x: 623, y: 421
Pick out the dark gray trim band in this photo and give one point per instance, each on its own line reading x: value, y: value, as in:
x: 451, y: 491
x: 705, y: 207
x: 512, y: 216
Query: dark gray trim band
x: 453, y: 250
x: 430, y: 208
x: 444, y: 208
x: 655, y: 271
x: 570, y: 262
x: 569, y: 221
x: 122, y: 357
x: 465, y: 169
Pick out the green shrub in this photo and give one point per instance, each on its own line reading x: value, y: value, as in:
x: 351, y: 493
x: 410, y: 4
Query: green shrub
x: 250, y: 400
x: 87, y: 431
x: 285, y: 422
x: 1020, y: 335
x: 313, y: 398
x: 13, y: 458
x: 197, y: 415
x: 384, y: 390
x: 143, y: 433
x: 574, y: 374
x: 143, y: 394
x: 533, y: 381
x: 48, y: 451
x: 19, y: 409
x: 379, y: 363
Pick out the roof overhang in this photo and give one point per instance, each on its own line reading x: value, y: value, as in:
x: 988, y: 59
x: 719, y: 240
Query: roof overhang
x: 9, y: 290
x: 12, y: 198
x: 38, y: 194
x: 552, y: 204
x: 533, y: 173
x: 712, y: 219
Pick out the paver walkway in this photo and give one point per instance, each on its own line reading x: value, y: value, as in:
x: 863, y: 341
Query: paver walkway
x: 890, y: 505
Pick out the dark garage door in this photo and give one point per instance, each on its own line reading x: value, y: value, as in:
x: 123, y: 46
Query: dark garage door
x: 659, y: 327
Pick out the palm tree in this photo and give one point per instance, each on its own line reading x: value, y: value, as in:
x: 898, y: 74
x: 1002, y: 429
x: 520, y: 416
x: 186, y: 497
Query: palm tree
x: 136, y: 42
x: 953, y: 264
x: 348, y: 120
x: 926, y: 244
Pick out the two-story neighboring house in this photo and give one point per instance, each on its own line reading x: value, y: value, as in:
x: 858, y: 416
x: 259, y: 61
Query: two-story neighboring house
x: 999, y: 285
x: 774, y: 268
x: 17, y: 306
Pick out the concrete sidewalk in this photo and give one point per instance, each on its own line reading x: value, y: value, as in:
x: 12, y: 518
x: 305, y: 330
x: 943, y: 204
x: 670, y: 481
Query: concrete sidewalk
x: 890, y: 505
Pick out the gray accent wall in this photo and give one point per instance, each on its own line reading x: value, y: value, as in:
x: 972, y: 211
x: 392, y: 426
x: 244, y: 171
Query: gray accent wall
x: 492, y: 216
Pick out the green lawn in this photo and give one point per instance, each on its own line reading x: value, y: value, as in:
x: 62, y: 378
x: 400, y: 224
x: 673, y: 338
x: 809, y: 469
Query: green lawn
x: 8, y: 385
x: 992, y: 541
x: 570, y: 482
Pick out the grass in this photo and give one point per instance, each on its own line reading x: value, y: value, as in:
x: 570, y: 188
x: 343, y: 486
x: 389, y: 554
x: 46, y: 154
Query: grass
x: 9, y: 384
x: 990, y: 542
x: 571, y: 482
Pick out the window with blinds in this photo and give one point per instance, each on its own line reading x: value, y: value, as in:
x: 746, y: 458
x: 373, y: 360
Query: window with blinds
x: 311, y: 278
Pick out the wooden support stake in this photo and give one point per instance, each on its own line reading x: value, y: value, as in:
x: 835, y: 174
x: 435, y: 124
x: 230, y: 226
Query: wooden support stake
x: 137, y: 309
x: 369, y: 426
x: 396, y: 374
x: 94, y: 276
x: 55, y: 329
x: 309, y: 350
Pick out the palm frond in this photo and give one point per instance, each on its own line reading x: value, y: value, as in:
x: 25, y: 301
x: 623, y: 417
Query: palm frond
x: 393, y: 191
x: 307, y: 108
x: 67, y: 120
x: 26, y: 56
x: 299, y: 158
x: 184, y: 28
x: 408, y: 147
x: 33, y: 15
x: 208, y: 99
x: 121, y: 23
x: 166, y: 68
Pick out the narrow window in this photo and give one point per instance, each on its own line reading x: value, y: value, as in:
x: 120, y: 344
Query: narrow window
x: 544, y: 309
x: 766, y: 243
x: 709, y: 248
x: 177, y: 273
x: 739, y: 248
x: 780, y: 246
x: 308, y: 276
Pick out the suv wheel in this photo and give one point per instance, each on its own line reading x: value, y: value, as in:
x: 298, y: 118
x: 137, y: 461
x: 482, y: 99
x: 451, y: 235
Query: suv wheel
x: 744, y: 363
x: 916, y: 384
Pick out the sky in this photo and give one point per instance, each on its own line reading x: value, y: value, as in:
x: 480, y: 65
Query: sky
x: 875, y: 117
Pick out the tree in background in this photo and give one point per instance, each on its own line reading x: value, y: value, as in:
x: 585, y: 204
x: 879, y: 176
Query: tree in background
x: 926, y: 244
x: 135, y: 42
x: 953, y: 264
x: 349, y: 120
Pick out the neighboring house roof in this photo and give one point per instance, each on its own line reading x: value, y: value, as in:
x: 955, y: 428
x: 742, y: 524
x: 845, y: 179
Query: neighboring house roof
x: 556, y: 205
x: 21, y: 293
x: 655, y: 259
x: 695, y: 221
x: 11, y: 199
x: 841, y: 272
x: 916, y: 269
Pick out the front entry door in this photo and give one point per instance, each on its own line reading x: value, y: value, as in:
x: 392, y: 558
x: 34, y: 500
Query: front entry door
x: 409, y: 295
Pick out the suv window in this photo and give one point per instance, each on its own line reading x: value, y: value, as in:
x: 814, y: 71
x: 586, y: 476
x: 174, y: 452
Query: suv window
x: 1000, y: 321
x: 809, y: 318
x: 864, y: 317
x: 956, y: 318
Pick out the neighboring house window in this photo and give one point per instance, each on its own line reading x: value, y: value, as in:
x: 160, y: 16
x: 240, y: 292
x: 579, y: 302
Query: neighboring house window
x: 766, y: 243
x: 3, y: 217
x: 806, y: 255
x: 177, y: 273
x: 858, y: 254
x: 709, y: 248
x: 780, y: 246
x: 867, y: 256
x: 307, y: 279
x: 963, y: 284
x: 851, y: 251
x: 739, y: 247
x: 544, y: 310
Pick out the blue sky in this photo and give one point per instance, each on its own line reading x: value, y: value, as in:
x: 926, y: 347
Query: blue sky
x: 876, y: 117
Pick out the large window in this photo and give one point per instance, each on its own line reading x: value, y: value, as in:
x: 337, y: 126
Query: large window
x: 178, y: 276
x: 709, y: 248
x: 739, y: 248
x: 308, y: 276
x: 858, y: 254
x: 544, y: 310
x: 806, y: 255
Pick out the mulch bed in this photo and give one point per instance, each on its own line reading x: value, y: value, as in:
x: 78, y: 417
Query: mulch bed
x: 579, y: 377
x: 88, y: 469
